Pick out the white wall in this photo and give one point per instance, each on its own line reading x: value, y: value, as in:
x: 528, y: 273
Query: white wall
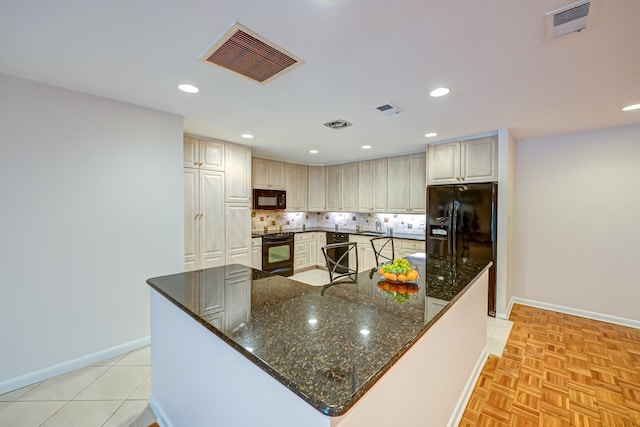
x: 504, y: 241
x: 91, y: 206
x: 576, y: 221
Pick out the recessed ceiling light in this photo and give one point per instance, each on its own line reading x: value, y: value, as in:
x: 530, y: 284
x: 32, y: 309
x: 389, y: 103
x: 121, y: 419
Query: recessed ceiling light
x: 366, y: 147
x: 431, y: 134
x: 631, y: 107
x: 441, y: 91
x: 185, y: 87
x: 313, y: 151
x: 247, y: 135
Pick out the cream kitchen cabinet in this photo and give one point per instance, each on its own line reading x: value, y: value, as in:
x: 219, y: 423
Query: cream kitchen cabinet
x: 341, y: 190
x: 268, y: 174
x: 203, y: 219
x: 372, y: 186
x: 203, y: 153
x: 237, y: 174
x: 317, y: 185
x: 366, y: 256
x: 321, y: 240
x: 296, y: 186
x: 237, y: 233
x: 406, y: 186
x: 468, y: 161
x: 217, y: 215
x: 305, y: 251
x: 406, y: 247
x: 256, y: 253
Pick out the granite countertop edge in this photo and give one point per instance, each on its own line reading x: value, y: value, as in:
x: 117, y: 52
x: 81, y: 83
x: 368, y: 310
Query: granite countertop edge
x: 332, y: 411
x: 407, y: 236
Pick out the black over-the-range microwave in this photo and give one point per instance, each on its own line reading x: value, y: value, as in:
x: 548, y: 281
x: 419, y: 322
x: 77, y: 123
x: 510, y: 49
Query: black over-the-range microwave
x: 269, y: 199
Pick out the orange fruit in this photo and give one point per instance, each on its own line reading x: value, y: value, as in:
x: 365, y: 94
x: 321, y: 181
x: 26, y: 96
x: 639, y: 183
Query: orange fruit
x: 381, y: 271
x: 380, y: 285
x: 412, y: 275
x: 402, y: 289
x: 402, y: 277
x: 393, y: 287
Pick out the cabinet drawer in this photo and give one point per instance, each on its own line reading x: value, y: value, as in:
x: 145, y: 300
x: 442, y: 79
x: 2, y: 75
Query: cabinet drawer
x: 300, y: 248
x: 416, y: 245
x: 300, y: 261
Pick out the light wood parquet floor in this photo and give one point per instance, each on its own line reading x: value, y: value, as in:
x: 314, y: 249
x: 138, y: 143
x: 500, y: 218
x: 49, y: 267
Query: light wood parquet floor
x: 559, y: 370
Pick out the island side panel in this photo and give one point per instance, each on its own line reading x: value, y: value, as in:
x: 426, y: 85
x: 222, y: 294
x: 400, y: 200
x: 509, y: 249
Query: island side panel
x: 198, y: 380
x: 425, y: 385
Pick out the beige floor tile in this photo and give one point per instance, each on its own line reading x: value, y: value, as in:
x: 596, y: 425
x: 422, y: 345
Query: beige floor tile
x: 83, y: 414
x: 110, y: 361
x: 140, y: 357
x: 65, y: 386
x: 28, y: 414
x: 4, y: 405
x: 315, y: 277
x: 116, y: 384
x: 127, y: 413
x: 12, y: 396
x: 143, y: 391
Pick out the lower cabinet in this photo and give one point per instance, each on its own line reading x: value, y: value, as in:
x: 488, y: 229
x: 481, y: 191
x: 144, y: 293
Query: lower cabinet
x: 256, y: 253
x: 305, y: 252
x: 366, y: 256
x: 406, y: 247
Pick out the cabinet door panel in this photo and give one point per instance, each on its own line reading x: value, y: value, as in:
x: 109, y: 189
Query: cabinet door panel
x: 238, y: 174
x: 260, y: 168
x: 334, y: 186
x: 212, y: 229
x: 238, y: 234
x: 379, y: 185
x: 191, y: 219
x: 211, y: 155
x: 349, y: 187
x: 190, y: 152
x: 301, y: 178
x: 444, y: 163
x: 365, y: 186
x: 398, y: 184
x: 317, y: 188
x: 418, y: 183
x: 276, y: 176
x: 478, y: 158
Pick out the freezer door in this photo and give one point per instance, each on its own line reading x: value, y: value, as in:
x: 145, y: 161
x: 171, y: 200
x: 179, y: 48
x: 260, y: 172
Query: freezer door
x: 475, y: 226
x: 439, y: 220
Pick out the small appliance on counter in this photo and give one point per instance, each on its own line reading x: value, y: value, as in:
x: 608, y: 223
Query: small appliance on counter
x: 269, y: 199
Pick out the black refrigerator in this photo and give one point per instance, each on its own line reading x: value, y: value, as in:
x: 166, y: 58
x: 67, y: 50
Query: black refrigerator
x: 461, y: 223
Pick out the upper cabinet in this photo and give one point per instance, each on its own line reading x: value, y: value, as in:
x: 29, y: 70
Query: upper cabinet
x: 268, y: 174
x: 372, y: 186
x: 296, y: 186
x: 317, y: 188
x: 238, y: 174
x: 468, y: 161
x: 406, y: 183
x: 203, y: 153
x: 342, y: 191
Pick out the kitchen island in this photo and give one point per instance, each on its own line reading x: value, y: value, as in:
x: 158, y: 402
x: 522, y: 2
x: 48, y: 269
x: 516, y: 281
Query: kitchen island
x: 234, y: 346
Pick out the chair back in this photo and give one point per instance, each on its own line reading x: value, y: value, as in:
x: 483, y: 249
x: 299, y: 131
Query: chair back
x: 381, y: 247
x: 336, y: 256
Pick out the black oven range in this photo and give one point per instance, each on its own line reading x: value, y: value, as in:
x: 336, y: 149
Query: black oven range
x: 277, y: 253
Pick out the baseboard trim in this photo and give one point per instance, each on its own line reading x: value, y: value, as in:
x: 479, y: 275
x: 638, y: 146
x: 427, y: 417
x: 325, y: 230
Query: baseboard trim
x: 576, y: 312
x: 460, y: 407
x: 62, y: 368
x: 163, y: 419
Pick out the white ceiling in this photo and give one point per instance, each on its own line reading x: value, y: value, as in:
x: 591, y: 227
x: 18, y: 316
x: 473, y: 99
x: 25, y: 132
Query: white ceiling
x: 358, y: 54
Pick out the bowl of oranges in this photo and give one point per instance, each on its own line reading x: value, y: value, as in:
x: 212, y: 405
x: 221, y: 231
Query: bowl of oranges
x: 397, y: 280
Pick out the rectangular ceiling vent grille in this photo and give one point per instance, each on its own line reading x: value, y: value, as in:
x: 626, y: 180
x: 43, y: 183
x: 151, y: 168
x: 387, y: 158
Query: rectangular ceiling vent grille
x: 569, y: 19
x: 249, y: 55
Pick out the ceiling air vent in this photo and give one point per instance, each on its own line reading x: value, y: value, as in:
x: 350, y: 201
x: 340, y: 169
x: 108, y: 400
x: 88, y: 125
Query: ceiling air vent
x: 568, y: 19
x: 245, y: 53
x: 388, y: 109
x: 338, y: 124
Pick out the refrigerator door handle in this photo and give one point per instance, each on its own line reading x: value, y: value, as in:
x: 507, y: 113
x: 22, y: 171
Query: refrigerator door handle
x: 450, y: 210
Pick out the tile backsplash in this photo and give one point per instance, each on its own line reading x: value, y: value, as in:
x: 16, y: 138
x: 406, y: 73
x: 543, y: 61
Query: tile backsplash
x: 280, y: 220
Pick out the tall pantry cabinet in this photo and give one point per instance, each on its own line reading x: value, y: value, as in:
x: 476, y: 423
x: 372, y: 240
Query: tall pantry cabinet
x: 217, y: 203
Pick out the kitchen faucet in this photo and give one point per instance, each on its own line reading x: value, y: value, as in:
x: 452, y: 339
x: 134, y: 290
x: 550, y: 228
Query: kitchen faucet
x: 378, y: 225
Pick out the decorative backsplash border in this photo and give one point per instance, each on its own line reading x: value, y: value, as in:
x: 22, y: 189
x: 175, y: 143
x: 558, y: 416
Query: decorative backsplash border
x: 282, y: 221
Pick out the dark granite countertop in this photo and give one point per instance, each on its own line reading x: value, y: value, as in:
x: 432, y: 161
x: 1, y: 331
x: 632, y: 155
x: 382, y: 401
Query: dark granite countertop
x: 408, y: 236
x: 328, y: 344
